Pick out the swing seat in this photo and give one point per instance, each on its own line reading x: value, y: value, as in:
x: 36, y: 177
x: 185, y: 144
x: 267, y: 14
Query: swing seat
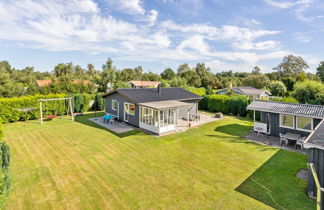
x: 50, y: 117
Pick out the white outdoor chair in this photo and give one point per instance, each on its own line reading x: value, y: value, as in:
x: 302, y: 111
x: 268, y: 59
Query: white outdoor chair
x: 112, y: 121
x: 283, y: 140
x: 300, y: 142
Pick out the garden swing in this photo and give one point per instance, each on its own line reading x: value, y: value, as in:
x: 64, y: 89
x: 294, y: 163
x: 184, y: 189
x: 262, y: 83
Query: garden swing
x: 54, y: 115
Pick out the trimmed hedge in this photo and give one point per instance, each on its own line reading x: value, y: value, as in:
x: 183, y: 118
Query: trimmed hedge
x: 226, y: 104
x: 5, y: 179
x: 9, y: 112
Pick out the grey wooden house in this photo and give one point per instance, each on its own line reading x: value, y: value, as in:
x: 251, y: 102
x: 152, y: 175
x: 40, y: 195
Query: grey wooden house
x: 154, y: 109
x: 315, y: 145
x: 281, y: 117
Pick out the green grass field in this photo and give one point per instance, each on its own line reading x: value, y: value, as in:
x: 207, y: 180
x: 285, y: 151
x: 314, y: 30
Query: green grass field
x: 66, y: 165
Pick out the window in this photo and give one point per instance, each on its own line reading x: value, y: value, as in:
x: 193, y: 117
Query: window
x: 304, y: 123
x: 114, y: 104
x: 287, y: 121
x: 130, y: 108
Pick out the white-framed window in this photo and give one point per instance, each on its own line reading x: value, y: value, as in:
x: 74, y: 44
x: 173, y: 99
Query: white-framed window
x: 130, y: 108
x: 287, y: 121
x: 114, y: 104
x: 304, y: 123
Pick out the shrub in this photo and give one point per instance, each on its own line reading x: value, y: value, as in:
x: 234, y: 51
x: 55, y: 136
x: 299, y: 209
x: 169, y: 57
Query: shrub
x: 99, y: 103
x: 5, y: 179
x: 199, y: 91
x: 218, y: 103
x: 286, y: 99
x: 278, y: 88
x: 203, y: 103
x: 309, y: 91
x: 238, y: 104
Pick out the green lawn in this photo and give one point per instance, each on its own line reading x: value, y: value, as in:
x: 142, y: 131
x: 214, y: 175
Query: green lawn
x: 275, y: 183
x: 66, y: 165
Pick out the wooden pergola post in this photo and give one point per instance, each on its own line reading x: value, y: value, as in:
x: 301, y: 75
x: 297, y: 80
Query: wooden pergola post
x: 41, y: 111
x: 253, y: 116
x: 71, y: 108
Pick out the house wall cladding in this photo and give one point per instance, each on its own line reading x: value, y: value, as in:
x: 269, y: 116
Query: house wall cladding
x: 315, y: 156
x: 275, y: 128
x: 133, y: 119
x: 192, y: 108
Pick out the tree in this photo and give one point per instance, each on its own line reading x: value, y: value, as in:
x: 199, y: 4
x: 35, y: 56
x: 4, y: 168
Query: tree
x: 168, y: 74
x: 289, y: 83
x: 150, y: 76
x: 192, y: 78
x: 98, y: 103
x: 183, y: 68
x: 308, y: 91
x: 178, y: 82
x: 257, y: 81
x: 256, y: 70
x: 320, y: 71
x: 291, y: 65
x: 278, y: 88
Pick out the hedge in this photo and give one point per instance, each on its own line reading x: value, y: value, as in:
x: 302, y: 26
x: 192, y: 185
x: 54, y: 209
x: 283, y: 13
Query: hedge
x: 5, y: 179
x: 226, y: 104
x: 9, y: 106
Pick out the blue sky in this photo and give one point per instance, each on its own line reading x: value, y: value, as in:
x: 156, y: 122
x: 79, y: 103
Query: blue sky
x: 225, y: 34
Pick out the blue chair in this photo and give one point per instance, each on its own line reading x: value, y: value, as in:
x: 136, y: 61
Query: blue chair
x: 107, y: 117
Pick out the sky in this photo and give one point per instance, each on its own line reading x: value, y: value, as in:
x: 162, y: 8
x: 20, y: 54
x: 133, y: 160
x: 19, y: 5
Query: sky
x: 156, y: 34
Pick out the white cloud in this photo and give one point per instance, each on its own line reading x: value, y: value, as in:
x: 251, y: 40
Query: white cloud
x: 251, y: 22
x: 195, y: 43
x: 152, y: 17
x: 266, y: 45
x: 303, y: 37
x: 128, y: 6
x: 288, y: 4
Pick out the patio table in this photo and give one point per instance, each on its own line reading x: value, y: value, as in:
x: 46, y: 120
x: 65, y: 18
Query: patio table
x: 291, y: 136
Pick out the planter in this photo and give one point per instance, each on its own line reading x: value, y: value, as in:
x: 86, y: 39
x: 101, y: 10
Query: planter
x: 219, y: 115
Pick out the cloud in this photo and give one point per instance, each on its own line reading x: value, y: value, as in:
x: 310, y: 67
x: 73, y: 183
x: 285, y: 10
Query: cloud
x: 266, y: 45
x: 251, y: 22
x: 128, y: 6
x: 299, y: 7
x: 195, y: 43
x: 302, y: 37
x: 152, y: 17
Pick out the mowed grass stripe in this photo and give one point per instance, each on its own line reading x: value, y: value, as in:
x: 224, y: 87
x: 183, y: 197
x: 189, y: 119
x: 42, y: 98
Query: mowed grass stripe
x: 81, y: 178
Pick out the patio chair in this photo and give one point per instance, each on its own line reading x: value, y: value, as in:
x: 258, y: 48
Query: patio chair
x: 112, y: 120
x: 300, y: 142
x: 283, y: 140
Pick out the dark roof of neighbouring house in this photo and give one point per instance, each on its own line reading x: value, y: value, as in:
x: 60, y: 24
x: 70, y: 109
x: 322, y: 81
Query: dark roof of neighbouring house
x: 142, y: 95
x: 248, y: 90
x: 316, y: 138
x: 315, y: 111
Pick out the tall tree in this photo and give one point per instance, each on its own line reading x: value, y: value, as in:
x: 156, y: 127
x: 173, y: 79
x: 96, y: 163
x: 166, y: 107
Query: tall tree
x: 192, y: 78
x: 168, y: 74
x: 256, y: 70
x: 291, y: 66
x: 257, y: 81
x: 320, y: 71
x: 183, y: 68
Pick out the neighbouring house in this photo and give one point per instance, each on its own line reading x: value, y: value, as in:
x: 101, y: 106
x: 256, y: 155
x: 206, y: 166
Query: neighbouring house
x: 43, y: 83
x: 153, y: 109
x: 315, y: 145
x: 143, y: 84
x: 282, y: 117
x: 249, y: 91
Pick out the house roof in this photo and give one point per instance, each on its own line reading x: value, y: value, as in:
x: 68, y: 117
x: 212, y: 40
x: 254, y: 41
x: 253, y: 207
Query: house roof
x: 142, y: 95
x: 42, y: 83
x: 248, y: 90
x: 139, y: 83
x: 316, y: 138
x: 164, y: 104
x: 307, y: 110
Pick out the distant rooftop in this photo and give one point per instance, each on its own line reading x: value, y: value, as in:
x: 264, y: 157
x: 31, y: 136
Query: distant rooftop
x: 248, y: 90
x: 140, y: 83
x: 315, y: 111
x: 43, y: 83
x: 316, y: 138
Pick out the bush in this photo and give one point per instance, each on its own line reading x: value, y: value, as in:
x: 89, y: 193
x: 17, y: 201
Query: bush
x: 203, y: 103
x: 99, y: 103
x: 5, y: 179
x: 218, y: 103
x: 238, y: 104
x: 286, y: 99
x: 199, y: 91
x: 309, y: 92
x: 278, y: 88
